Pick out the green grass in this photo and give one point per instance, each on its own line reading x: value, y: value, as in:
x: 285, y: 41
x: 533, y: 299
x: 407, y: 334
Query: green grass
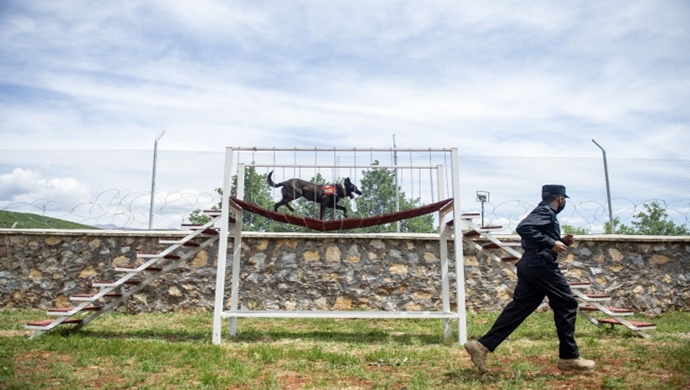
x: 174, y: 351
x: 10, y: 219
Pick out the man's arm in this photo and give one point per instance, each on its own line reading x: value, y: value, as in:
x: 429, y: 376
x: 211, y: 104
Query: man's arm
x: 530, y: 229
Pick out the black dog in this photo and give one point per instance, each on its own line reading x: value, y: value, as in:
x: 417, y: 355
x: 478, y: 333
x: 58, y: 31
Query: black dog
x: 326, y: 195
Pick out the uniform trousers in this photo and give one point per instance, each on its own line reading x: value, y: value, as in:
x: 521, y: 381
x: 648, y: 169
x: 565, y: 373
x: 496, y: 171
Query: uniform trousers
x: 535, y: 283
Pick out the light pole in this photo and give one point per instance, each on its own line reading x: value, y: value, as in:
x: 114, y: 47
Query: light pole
x: 608, y: 187
x: 153, y: 178
x: 483, y: 197
x: 397, y: 197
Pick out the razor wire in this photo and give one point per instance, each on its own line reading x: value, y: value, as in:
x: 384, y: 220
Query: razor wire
x: 110, y: 189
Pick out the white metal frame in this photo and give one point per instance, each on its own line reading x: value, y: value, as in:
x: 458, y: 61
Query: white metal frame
x: 228, y: 230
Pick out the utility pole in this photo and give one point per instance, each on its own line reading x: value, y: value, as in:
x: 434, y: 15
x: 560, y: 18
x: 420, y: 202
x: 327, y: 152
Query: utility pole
x: 608, y: 187
x: 153, y: 178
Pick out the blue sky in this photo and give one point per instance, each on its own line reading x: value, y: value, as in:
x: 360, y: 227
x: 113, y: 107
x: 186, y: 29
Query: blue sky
x: 505, y: 78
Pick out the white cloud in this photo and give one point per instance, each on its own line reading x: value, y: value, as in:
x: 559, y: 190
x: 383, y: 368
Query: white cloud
x: 26, y: 187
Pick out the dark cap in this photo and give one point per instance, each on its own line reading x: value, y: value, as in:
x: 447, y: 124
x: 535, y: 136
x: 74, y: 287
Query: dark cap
x: 551, y: 191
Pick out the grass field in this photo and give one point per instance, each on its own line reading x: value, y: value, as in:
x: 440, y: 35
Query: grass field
x: 174, y: 351
x: 10, y: 219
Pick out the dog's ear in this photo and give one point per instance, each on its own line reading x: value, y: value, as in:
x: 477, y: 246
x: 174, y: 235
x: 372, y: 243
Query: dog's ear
x: 347, y: 180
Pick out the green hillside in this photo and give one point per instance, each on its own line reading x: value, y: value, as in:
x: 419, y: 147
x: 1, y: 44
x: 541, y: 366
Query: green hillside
x: 9, y: 219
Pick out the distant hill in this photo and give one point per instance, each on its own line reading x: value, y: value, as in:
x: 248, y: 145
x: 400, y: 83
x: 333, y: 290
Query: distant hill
x: 9, y: 219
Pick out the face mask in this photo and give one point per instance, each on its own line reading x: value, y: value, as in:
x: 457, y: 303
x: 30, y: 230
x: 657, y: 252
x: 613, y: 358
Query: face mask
x: 561, y: 206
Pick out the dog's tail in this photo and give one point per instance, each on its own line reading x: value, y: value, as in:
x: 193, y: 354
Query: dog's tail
x: 271, y: 183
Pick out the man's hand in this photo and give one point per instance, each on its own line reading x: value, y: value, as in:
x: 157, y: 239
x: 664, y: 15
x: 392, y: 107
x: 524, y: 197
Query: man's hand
x: 559, y: 247
x: 568, y: 240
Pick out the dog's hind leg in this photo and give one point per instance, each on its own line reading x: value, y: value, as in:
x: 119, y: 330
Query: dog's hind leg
x: 283, y: 203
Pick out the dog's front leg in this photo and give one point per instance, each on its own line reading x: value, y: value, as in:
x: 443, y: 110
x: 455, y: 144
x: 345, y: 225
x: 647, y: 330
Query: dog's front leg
x: 344, y: 210
x: 324, y: 205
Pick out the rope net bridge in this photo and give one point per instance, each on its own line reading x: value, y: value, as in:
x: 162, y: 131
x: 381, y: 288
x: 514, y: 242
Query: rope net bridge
x: 341, y: 224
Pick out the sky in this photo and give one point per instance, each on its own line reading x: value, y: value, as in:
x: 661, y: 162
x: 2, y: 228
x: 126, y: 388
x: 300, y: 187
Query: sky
x: 501, y: 78
x: 505, y: 78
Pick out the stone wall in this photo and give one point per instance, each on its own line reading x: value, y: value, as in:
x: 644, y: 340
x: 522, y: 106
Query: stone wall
x: 41, y: 269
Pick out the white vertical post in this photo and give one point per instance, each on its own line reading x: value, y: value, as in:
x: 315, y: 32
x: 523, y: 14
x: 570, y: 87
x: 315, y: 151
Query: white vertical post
x: 443, y: 252
x: 457, y: 244
x: 219, y: 303
x: 237, y: 252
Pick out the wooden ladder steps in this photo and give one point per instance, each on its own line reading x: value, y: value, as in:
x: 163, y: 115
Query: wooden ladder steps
x: 470, y: 216
x: 103, y: 283
x: 597, y: 297
x: 638, y: 325
x: 190, y: 244
x: 135, y: 268
x: 157, y: 255
x: 90, y: 297
x: 612, y: 311
x: 212, y: 213
x: 510, y: 259
x: 478, y: 232
x: 61, y: 311
x: 207, y: 231
x: 494, y: 246
x: 44, y: 324
x: 582, y: 285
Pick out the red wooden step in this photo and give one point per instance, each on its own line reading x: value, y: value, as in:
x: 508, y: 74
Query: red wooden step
x: 579, y: 284
x: 85, y: 297
x: 615, y: 310
x: 471, y: 233
x: 132, y: 267
x: 450, y: 223
x: 157, y: 255
x: 637, y: 324
x: 48, y: 322
x: 210, y: 232
x: 174, y: 241
x: 492, y: 227
x: 510, y: 259
x: 598, y: 297
x: 193, y: 226
x: 470, y: 216
x: 69, y: 309
x: 207, y: 231
x: 491, y: 246
x: 96, y: 283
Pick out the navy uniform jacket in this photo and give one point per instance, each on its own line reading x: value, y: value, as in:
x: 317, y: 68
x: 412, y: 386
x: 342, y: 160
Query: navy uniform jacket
x: 539, y: 232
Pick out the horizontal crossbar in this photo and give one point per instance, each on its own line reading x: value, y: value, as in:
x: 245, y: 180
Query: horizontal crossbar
x: 339, y: 314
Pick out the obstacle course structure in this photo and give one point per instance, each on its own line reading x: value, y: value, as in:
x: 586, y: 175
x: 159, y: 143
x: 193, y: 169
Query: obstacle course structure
x: 453, y: 228
x: 446, y: 209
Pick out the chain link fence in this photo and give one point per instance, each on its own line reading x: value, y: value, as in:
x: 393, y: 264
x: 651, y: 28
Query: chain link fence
x: 112, y: 188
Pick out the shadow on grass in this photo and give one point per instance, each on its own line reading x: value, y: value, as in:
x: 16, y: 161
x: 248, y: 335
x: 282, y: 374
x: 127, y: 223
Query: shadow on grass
x: 263, y: 336
x: 470, y: 375
x: 148, y: 334
x: 362, y: 337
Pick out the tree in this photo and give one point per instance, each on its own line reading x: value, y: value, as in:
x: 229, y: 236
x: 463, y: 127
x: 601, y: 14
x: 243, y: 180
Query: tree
x: 653, y: 221
x: 567, y: 229
x: 255, y: 191
x: 378, y: 197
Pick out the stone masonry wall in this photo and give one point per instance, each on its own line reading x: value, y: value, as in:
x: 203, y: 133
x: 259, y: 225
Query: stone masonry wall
x: 41, y: 269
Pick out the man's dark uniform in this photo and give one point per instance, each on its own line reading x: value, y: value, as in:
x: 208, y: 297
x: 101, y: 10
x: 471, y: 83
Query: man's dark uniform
x: 539, y: 277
